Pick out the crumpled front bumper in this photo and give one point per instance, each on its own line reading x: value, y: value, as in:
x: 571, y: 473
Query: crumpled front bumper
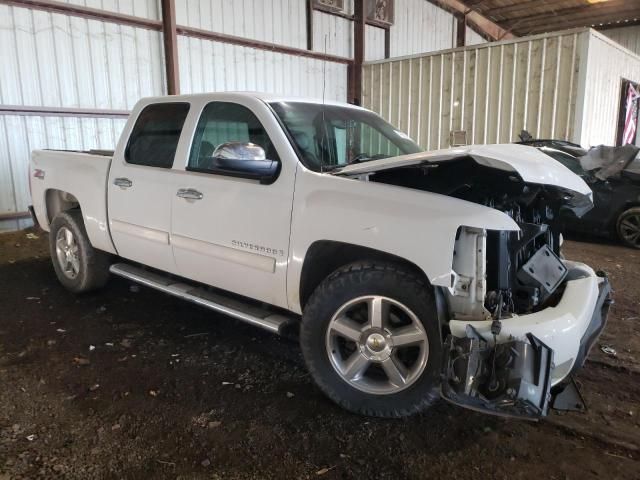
x: 569, y: 328
x: 537, y: 351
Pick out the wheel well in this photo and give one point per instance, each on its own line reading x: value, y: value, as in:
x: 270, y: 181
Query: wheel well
x: 326, y: 256
x: 618, y: 214
x: 57, y: 201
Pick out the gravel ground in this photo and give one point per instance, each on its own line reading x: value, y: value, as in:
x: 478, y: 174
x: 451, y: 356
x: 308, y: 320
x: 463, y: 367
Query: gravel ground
x: 131, y: 383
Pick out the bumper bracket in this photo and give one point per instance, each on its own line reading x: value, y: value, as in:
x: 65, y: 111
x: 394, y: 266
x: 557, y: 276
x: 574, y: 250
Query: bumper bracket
x: 510, y: 379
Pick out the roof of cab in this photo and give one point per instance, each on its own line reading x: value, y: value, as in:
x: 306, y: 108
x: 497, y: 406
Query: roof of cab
x: 265, y: 97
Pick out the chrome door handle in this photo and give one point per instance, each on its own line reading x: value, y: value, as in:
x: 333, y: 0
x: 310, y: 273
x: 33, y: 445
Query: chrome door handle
x: 189, y: 194
x: 122, y: 182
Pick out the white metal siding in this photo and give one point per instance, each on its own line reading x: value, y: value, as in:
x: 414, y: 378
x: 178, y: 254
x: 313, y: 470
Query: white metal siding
x: 55, y: 60
x: 473, y: 38
x: 332, y: 34
x: 276, y: 21
x: 607, y: 65
x: 492, y: 91
x: 374, y: 43
x: 207, y: 66
x: 421, y: 27
x: 138, y: 8
x: 628, y: 37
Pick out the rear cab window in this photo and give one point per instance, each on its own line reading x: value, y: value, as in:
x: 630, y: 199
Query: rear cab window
x: 154, y: 139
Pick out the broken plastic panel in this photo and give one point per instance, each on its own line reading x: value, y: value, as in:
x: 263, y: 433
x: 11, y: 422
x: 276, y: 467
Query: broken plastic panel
x: 509, y: 379
x: 544, y: 270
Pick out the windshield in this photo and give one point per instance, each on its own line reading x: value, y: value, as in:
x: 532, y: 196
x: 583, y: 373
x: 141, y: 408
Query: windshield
x: 330, y: 136
x: 565, y: 159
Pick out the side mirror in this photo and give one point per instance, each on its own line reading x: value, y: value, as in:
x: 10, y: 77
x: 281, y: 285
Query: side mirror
x: 245, y: 160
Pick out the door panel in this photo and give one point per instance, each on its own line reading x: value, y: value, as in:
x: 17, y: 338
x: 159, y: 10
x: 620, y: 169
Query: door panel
x: 140, y: 188
x: 234, y: 235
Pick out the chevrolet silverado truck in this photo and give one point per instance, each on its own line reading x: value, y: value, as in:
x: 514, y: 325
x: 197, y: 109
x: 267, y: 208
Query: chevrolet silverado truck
x: 406, y: 275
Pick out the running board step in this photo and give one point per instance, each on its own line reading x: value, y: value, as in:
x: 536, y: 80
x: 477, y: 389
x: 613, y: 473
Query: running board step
x: 246, y: 312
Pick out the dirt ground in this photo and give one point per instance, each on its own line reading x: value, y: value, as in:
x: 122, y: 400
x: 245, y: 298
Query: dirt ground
x: 131, y: 383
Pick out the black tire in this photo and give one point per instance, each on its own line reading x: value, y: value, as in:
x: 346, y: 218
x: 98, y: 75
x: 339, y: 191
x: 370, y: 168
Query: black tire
x: 93, y: 271
x: 357, y: 280
x: 628, y: 227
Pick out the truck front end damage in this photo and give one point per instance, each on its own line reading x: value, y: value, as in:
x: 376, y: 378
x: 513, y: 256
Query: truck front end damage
x: 539, y: 318
x: 520, y: 318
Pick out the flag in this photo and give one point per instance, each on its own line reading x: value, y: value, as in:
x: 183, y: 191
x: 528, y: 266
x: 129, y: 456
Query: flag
x: 631, y: 116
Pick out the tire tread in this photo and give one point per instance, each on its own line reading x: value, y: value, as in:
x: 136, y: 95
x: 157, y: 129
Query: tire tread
x: 343, y: 278
x: 94, y: 264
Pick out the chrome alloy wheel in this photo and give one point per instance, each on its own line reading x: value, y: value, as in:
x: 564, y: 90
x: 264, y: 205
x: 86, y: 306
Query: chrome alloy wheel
x: 377, y: 345
x: 67, y: 253
x: 630, y: 229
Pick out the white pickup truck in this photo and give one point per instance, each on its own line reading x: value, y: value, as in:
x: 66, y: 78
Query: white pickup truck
x: 407, y: 275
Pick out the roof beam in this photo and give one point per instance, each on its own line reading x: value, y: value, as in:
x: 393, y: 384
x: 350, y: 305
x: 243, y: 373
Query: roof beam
x: 616, y: 9
x: 550, y: 24
x: 509, y: 10
x: 621, y: 24
x: 594, y: 22
x: 487, y: 27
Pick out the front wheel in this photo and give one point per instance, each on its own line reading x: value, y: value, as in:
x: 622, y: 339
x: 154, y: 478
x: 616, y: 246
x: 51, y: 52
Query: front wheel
x: 370, y: 338
x: 628, y: 227
x: 79, y: 267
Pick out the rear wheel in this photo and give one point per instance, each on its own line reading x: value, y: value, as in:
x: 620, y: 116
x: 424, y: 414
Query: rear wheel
x: 371, y: 340
x: 79, y: 267
x: 628, y: 227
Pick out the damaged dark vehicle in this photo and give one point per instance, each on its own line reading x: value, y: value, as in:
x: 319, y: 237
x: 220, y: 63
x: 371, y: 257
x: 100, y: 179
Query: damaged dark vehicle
x: 613, y: 174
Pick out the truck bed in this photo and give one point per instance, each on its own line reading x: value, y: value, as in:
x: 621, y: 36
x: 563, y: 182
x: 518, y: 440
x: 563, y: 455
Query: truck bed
x: 68, y: 177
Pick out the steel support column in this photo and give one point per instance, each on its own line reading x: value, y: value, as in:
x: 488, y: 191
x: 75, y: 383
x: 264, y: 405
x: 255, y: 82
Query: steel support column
x: 355, y: 72
x: 170, y: 37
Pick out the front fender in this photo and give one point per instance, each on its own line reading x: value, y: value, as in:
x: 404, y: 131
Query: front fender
x: 415, y: 225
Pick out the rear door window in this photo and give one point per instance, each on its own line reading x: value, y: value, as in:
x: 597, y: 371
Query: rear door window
x: 154, y: 139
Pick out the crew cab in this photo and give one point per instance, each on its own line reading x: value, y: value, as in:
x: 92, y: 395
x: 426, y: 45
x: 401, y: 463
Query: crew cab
x: 406, y: 275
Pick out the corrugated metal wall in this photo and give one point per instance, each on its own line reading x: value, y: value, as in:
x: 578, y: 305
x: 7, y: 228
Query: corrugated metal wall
x: 374, y: 42
x: 491, y: 91
x: 628, y: 37
x: 332, y: 34
x: 242, y: 68
x: 275, y: 21
x: 606, y: 66
x: 54, y: 60
x: 473, y: 38
x: 421, y: 27
x: 137, y: 8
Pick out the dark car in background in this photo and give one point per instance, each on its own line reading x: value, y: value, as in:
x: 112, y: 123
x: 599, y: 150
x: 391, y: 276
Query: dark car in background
x: 616, y: 191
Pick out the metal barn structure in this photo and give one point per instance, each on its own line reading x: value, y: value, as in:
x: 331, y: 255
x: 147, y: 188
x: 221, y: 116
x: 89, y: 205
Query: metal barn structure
x: 72, y: 70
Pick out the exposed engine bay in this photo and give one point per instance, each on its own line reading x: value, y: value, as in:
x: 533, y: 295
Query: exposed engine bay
x: 498, y: 274
x: 523, y: 269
